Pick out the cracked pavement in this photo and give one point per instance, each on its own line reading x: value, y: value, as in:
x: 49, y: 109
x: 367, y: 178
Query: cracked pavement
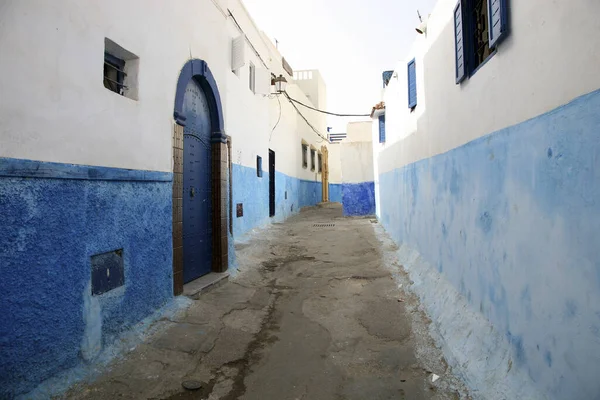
x: 312, y: 314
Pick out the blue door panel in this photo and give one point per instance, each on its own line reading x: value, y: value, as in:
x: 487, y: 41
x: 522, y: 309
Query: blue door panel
x: 197, y: 199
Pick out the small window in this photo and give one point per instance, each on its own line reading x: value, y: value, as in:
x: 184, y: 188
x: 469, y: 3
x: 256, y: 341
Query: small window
x: 479, y: 26
x: 313, y: 154
x: 114, y: 74
x: 320, y: 163
x: 479, y: 32
x: 382, y: 128
x: 120, y: 70
x: 259, y: 170
x: 304, y: 155
x: 412, y: 84
x: 252, y: 77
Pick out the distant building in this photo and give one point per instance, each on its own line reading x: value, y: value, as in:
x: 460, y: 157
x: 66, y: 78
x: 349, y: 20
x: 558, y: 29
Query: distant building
x: 487, y: 160
x: 356, y: 166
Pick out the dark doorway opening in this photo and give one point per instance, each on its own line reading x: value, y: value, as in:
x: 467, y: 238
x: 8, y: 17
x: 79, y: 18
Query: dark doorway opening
x: 271, y: 183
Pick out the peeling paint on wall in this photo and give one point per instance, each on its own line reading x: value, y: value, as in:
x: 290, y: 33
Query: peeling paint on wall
x: 52, y: 227
x: 511, y: 221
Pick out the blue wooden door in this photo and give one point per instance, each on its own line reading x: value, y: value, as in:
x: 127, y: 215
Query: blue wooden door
x: 197, y: 199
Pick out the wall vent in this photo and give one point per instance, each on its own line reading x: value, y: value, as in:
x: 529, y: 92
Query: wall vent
x: 108, y: 272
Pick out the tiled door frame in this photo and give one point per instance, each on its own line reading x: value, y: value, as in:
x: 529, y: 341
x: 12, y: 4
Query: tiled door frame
x: 198, y: 70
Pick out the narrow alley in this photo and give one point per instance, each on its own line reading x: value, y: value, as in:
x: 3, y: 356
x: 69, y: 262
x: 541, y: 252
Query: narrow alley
x: 313, y: 313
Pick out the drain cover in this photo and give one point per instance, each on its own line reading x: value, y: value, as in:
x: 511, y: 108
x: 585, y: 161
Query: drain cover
x: 323, y: 225
x: 191, y: 385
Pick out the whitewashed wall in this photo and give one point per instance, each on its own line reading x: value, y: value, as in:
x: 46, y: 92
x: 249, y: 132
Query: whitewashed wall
x: 359, y: 131
x: 511, y: 87
x: 356, y: 153
x: 497, y: 224
x: 376, y: 148
x: 335, y: 166
x: 356, y: 160
x: 59, y: 110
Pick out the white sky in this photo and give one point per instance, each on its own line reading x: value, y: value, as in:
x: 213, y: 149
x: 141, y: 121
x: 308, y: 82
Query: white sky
x: 350, y: 41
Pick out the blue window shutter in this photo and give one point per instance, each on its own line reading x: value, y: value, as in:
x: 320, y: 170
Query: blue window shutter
x: 412, y: 84
x: 386, y: 75
x: 497, y: 21
x: 459, y: 43
x: 382, y: 128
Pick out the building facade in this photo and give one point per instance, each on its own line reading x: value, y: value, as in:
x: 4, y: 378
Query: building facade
x: 487, y: 174
x: 135, y: 148
x: 356, y: 166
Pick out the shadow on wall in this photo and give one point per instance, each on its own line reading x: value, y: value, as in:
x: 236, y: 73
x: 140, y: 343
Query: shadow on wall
x: 511, y: 220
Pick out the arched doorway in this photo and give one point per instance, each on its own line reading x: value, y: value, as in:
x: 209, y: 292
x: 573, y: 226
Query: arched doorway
x: 197, y: 185
x: 200, y: 218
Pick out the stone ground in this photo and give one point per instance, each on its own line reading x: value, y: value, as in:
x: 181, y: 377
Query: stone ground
x: 312, y: 314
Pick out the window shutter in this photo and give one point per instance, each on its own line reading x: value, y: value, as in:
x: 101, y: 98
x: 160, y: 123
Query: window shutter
x: 238, y: 52
x: 263, y: 81
x: 459, y: 43
x: 497, y: 20
x: 382, y: 128
x: 412, y: 84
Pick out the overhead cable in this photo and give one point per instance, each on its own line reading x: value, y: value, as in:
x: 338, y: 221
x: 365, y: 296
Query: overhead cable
x: 303, y: 117
x: 327, y: 112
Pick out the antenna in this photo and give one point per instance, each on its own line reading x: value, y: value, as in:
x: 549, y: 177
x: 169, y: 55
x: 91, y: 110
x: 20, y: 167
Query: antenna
x: 419, y: 14
x: 276, y: 43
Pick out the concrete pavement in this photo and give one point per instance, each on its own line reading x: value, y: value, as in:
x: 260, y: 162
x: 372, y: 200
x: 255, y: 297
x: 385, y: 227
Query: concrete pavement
x: 313, y: 313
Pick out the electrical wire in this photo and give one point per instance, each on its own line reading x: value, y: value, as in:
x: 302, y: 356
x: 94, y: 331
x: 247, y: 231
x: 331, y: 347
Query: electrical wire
x: 327, y: 112
x: 304, y: 118
x: 278, y: 119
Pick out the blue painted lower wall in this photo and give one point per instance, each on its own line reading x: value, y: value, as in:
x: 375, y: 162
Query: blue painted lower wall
x: 335, y: 192
x: 50, y: 229
x: 291, y: 194
x: 358, y: 198
x: 512, y: 221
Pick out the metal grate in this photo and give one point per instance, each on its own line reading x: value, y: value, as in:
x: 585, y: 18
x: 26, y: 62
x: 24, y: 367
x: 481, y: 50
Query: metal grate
x: 323, y: 225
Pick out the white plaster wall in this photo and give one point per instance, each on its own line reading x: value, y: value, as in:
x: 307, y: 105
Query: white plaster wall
x: 549, y: 58
x: 246, y: 113
x: 376, y: 146
x: 358, y: 132
x: 58, y: 109
x: 312, y: 84
x: 281, y: 129
x: 335, y: 166
x: 356, y: 159
x: 54, y: 105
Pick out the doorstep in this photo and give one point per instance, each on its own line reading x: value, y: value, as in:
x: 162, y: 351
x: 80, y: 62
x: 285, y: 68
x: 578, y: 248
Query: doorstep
x: 211, y: 280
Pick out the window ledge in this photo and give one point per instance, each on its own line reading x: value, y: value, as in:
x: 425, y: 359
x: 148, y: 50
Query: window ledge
x: 492, y: 54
